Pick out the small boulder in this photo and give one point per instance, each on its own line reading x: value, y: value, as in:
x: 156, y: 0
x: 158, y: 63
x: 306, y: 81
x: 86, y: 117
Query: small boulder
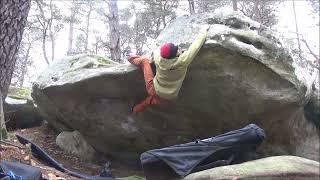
x: 73, y: 143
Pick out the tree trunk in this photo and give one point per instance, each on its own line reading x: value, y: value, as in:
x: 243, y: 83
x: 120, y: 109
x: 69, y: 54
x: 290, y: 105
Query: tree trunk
x: 51, y: 32
x: 13, y: 18
x: 44, y: 47
x: 87, y: 27
x: 70, y: 38
x: 203, y: 6
x: 191, y: 6
x: 44, y: 32
x: 3, y: 129
x: 52, y: 45
x: 255, y: 15
x: 114, y: 31
x: 96, y: 48
x: 71, y: 24
x: 24, y: 66
x: 235, y: 5
x: 297, y: 29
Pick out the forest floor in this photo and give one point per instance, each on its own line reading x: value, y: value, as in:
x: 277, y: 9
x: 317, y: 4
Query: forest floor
x: 44, y: 137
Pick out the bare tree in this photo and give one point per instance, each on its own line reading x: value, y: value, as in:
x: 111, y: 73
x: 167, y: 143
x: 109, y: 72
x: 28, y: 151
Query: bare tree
x: 24, y: 65
x: 151, y: 17
x: 263, y: 11
x: 210, y: 5
x: 203, y: 6
x: 13, y: 17
x: 48, y: 23
x: 235, y: 5
x: 72, y: 20
x: 297, y: 29
x: 157, y: 15
x: 23, y: 58
x: 315, y: 6
x: 114, y: 30
x: 44, y: 23
x: 51, y: 31
x: 300, y: 51
x: 79, y: 43
x: 191, y: 7
x: 88, y: 15
x: 97, y: 45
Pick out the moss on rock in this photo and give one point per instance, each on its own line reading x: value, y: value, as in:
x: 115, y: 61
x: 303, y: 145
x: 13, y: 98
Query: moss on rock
x: 3, y: 133
x: 19, y: 93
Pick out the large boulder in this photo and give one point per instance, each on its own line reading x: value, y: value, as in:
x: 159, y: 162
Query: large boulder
x: 243, y: 74
x: 278, y: 167
x: 19, y: 109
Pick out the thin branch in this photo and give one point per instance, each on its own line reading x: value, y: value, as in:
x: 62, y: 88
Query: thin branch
x: 107, y: 16
x: 311, y: 64
x: 311, y: 52
x: 297, y: 30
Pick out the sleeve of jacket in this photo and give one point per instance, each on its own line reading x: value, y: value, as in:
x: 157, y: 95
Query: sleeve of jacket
x: 187, y: 57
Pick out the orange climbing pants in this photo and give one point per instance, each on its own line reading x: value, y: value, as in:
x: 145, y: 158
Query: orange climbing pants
x: 153, y: 98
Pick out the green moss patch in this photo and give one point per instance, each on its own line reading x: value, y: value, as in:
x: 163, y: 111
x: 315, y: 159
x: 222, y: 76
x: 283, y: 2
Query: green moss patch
x: 19, y: 93
x: 3, y: 133
x: 100, y: 59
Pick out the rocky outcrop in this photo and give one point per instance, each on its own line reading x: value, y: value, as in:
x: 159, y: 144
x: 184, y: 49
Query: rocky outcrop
x: 242, y: 75
x: 278, y: 167
x: 19, y: 109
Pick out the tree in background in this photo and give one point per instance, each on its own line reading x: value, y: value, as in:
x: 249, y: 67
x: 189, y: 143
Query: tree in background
x: 126, y: 29
x: 86, y: 31
x: 13, y: 18
x: 211, y: 5
x: 98, y: 45
x: 315, y: 6
x: 133, y: 36
x: 301, y: 52
x: 135, y: 24
x: 114, y: 30
x: 191, y: 6
x: 47, y: 21
x: 235, y: 5
x: 151, y: 17
x: 157, y: 15
x: 72, y: 20
x: 88, y: 7
x: 85, y: 11
x: 79, y: 44
x: 316, y: 11
x: 24, y: 59
x: 262, y: 11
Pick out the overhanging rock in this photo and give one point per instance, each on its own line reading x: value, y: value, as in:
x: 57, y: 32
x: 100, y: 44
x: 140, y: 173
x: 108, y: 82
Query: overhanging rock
x: 242, y: 75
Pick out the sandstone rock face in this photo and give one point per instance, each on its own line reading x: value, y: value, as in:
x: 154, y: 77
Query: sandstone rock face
x: 277, y: 167
x: 242, y: 75
x: 19, y: 109
x: 312, y: 109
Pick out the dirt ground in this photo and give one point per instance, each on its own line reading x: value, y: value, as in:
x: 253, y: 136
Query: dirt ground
x: 44, y: 137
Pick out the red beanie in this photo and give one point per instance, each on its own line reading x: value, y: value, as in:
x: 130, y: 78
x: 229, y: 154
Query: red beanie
x: 168, y: 50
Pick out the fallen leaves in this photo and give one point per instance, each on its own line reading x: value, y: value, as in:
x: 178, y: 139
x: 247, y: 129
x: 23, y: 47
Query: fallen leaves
x: 27, y: 158
x: 52, y: 176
